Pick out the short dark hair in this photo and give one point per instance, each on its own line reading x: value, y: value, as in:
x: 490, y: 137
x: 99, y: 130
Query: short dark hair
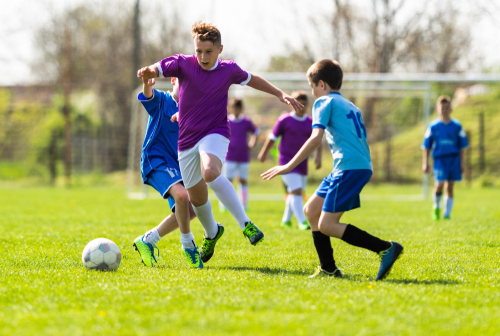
x: 237, y: 102
x: 444, y: 99
x: 205, y: 31
x: 329, y: 71
x: 299, y: 95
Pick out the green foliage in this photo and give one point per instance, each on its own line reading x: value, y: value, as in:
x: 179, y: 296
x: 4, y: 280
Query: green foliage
x: 294, y: 61
x: 446, y: 283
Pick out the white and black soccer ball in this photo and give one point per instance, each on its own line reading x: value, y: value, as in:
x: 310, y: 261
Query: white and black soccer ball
x: 101, y: 254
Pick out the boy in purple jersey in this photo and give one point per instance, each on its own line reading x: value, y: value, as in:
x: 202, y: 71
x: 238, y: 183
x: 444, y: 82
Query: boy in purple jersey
x: 204, y: 129
x: 294, y: 128
x: 238, y: 154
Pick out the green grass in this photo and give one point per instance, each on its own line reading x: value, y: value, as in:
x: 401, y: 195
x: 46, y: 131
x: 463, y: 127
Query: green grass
x: 447, y: 282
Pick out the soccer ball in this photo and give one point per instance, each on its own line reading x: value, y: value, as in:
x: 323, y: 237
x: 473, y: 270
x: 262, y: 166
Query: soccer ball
x: 101, y: 254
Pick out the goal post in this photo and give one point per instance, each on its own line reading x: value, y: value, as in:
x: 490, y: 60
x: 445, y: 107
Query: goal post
x: 398, y: 146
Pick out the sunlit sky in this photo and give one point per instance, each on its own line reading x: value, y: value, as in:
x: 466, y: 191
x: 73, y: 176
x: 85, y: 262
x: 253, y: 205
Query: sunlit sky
x: 252, y: 30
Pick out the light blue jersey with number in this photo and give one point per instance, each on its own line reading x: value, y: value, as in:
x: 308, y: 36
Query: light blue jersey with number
x: 345, y: 132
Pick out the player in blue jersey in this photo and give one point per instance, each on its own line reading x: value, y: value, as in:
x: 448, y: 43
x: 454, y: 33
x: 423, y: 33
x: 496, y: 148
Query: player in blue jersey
x: 352, y: 169
x: 160, y: 169
x: 446, y: 139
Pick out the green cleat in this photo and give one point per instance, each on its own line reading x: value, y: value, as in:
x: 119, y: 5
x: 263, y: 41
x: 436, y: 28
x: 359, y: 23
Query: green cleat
x: 146, y: 251
x: 286, y: 224
x: 253, y: 233
x: 193, y: 257
x: 436, y: 213
x: 208, y: 245
x: 321, y: 273
x: 447, y: 217
x: 304, y: 226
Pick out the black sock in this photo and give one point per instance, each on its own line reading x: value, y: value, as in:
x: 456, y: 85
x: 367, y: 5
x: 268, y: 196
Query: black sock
x: 354, y: 236
x: 325, y: 251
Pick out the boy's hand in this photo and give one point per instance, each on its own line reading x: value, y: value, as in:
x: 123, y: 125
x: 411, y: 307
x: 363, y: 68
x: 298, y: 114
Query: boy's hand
x: 175, y: 117
x: 278, y: 170
x: 262, y: 157
x: 291, y: 101
x: 148, y: 72
x: 425, y: 168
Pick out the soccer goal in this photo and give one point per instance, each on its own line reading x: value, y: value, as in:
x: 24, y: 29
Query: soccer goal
x: 400, y: 113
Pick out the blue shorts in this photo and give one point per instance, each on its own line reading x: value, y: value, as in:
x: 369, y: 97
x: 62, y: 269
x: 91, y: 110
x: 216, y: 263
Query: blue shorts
x: 162, y: 178
x: 341, y: 191
x: 447, y: 169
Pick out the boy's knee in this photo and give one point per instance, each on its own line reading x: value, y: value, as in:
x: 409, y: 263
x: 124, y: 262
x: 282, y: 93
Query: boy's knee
x: 210, y: 174
x: 297, y: 192
x: 182, y: 199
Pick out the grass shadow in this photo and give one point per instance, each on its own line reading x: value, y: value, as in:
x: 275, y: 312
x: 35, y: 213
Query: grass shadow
x: 264, y: 270
x: 423, y: 282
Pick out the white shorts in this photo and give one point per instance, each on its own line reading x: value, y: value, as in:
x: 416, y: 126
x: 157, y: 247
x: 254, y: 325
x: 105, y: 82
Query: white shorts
x: 190, y: 162
x: 232, y: 169
x: 294, y: 181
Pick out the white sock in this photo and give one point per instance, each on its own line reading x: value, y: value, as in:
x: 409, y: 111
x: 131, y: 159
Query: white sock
x: 152, y: 237
x: 243, y: 191
x: 448, y: 205
x: 206, y: 217
x: 437, y: 200
x: 224, y: 190
x: 298, y: 208
x: 187, y: 241
x: 287, y: 215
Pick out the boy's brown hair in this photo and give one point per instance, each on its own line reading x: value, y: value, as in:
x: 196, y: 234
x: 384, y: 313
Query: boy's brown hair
x: 329, y: 71
x: 205, y: 31
x: 299, y: 95
x: 444, y: 99
x: 237, y: 103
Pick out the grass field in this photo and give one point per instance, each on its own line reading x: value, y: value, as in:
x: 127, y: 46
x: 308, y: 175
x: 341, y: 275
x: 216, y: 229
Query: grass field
x: 447, y: 283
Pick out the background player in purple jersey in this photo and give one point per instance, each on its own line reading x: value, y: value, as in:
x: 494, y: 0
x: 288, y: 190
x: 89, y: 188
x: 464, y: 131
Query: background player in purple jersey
x: 294, y: 128
x: 446, y: 139
x: 238, y: 154
x: 204, y: 129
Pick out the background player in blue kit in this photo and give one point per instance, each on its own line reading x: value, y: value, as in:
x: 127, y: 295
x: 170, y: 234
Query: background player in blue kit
x: 352, y: 169
x: 160, y: 169
x: 447, y: 140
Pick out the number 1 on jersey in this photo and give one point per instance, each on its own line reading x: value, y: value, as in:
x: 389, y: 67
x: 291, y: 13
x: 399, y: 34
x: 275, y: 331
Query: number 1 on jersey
x: 358, y: 122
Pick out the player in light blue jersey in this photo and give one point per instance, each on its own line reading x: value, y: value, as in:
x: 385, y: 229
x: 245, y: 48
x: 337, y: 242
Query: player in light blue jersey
x: 446, y: 139
x: 160, y: 169
x: 352, y: 169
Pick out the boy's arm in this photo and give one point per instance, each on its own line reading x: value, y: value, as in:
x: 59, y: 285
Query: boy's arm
x: 319, y: 155
x: 147, y: 87
x: 148, y: 73
x: 425, y: 163
x: 311, y: 144
x: 252, y: 141
x: 462, y: 162
x: 261, y: 84
x: 265, y: 149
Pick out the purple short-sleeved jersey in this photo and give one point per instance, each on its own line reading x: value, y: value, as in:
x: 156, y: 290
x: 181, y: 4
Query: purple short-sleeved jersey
x: 202, y: 96
x: 238, y: 146
x: 294, y: 132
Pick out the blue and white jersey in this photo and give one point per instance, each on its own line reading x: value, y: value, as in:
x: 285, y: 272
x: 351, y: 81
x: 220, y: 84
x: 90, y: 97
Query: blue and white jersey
x: 345, y: 132
x: 162, y: 135
x: 445, y: 139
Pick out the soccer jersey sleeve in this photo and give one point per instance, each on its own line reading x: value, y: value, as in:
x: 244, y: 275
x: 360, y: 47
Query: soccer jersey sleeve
x: 462, y: 139
x: 171, y: 107
x: 169, y: 67
x: 240, y: 76
x: 252, y: 128
x: 277, y: 130
x: 152, y: 105
x: 321, y: 113
x: 428, y: 139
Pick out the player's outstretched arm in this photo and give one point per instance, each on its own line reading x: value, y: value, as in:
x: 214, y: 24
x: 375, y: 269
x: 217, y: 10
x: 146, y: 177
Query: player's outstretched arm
x: 265, y: 150
x: 425, y: 161
x: 261, y: 84
x: 147, y: 87
x: 311, y: 144
x: 319, y: 156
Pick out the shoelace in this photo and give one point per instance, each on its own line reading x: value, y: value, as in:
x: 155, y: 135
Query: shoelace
x: 385, y: 252
x: 252, y: 230
x: 152, y: 248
